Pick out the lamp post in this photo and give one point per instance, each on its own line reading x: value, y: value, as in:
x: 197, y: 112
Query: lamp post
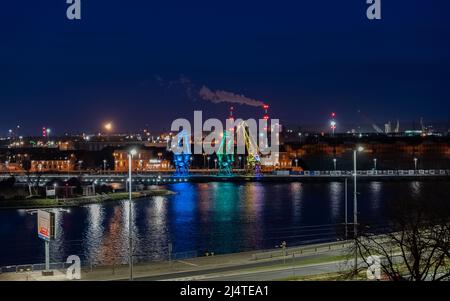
x: 104, y: 166
x: 346, y: 208
x: 355, y: 191
x: 130, y: 213
x: 334, y: 163
x: 296, y: 162
x: 56, y: 194
x: 209, y: 158
x: 375, y: 163
x: 355, y: 203
x: 215, y: 163
x: 415, y: 165
x: 240, y: 162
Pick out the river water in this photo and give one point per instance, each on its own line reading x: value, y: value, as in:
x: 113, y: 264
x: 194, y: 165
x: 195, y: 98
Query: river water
x: 218, y: 217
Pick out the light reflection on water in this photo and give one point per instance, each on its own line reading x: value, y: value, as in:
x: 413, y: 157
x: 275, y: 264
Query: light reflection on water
x: 219, y: 217
x: 336, y: 191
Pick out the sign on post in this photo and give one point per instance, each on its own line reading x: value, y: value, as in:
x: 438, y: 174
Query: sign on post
x: 46, y: 225
x: 50, y: 192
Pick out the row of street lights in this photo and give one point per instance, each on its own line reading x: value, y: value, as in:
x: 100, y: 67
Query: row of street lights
x: 375, y: 161
x: 208, y: 158
x: 355, y: 192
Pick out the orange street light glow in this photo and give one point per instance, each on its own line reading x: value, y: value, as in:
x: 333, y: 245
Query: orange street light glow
x: 108, y: 126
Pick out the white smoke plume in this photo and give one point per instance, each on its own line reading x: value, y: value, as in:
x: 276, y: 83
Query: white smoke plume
x: 219, y: 96
x: 207, y: 94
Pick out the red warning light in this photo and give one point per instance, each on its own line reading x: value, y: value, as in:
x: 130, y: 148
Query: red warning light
x: 266, y: 111
x: 231, y: 113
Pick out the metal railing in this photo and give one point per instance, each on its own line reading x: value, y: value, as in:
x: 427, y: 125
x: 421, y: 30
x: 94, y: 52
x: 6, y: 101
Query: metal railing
x: 86, y: 264
x: 298, y: 251
x: 409, y: 172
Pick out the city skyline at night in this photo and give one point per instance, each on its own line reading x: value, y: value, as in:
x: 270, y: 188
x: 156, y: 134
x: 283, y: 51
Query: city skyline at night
x: 146, y: 64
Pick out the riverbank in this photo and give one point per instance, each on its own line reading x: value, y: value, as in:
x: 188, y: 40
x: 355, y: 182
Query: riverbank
x: 34, y: 203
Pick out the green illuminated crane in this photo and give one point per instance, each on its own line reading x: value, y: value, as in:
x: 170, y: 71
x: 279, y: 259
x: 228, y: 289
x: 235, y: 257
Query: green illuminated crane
x: 225, y: 155
x: 253, y: 164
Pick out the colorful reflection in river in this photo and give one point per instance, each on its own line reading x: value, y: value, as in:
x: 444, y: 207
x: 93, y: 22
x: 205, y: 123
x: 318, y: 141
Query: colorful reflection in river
x: 215, y: 217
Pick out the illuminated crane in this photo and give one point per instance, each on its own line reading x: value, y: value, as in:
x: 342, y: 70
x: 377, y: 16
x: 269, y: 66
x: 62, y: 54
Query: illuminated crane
x: 225, y: 155
x: 182, y: 158
x: 253, y: 164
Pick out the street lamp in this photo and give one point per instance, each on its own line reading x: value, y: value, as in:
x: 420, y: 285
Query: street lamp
x: 132, y: 153
x: 415, y: 164
x: 334, y: 163
x: 296, y: 162
x: 355, y: 203
x: 375, y: 163
x: 215, y: 163
x: 240, y: 162
x: 355, y: 192
x: 209, y: 158
x: 56, y: 195
x: 104, y: 166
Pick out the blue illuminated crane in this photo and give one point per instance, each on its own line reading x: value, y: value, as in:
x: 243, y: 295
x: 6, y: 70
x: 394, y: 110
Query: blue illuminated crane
x: 182, y: 154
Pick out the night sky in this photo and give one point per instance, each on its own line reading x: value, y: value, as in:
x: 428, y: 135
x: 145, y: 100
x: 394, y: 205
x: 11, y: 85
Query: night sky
x: 143, y: 62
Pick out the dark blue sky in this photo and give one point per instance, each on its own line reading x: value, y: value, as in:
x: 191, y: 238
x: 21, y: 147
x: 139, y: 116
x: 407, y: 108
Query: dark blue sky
x: 304, y: 58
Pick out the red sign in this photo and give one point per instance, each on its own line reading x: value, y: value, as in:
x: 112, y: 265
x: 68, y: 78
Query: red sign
x: 46, y: 225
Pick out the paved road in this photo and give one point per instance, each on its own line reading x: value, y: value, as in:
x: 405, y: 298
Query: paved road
x: 309, y: 270
x: 245, y: 270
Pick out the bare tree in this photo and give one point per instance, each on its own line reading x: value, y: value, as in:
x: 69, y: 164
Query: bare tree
x: 415, y: 246
x: 26, y: 166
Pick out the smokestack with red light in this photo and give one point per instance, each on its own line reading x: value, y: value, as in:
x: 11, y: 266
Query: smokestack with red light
x: 231, y: 117
x: 333, y: 122
x: 266, y: 112
x: 231, y: 113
